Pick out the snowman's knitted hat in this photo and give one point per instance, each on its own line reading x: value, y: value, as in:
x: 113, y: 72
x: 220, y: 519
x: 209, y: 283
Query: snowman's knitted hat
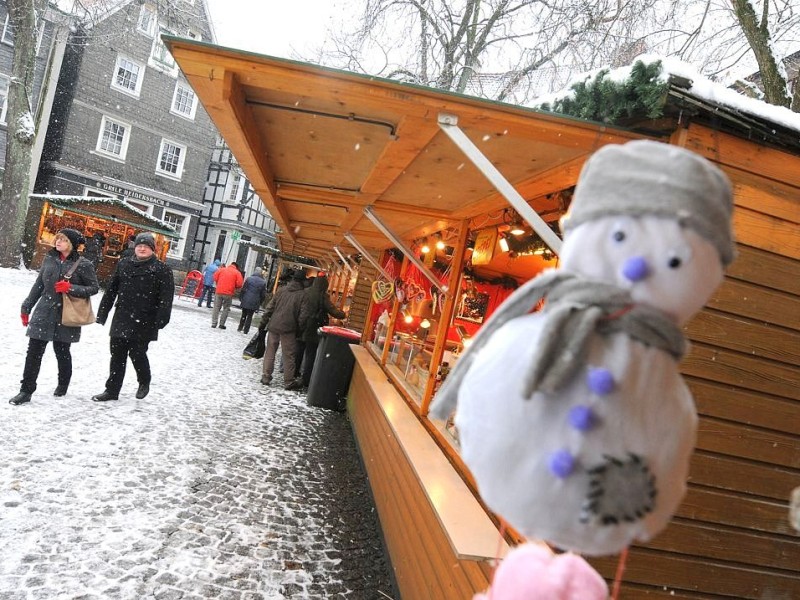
x: 650, y: 178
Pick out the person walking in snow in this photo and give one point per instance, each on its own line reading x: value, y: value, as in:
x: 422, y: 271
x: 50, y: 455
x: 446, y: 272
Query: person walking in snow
x: 252, y: 295
x: 93, y: 250
x: 228, y: 280
x: 143, y: 287
x: 45, y: 323
x: 208, y: 283
x: 285, y: 316
x: 319, y: 309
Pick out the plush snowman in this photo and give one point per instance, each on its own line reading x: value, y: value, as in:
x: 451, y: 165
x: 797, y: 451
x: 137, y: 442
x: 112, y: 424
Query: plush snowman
x: 574, y: 420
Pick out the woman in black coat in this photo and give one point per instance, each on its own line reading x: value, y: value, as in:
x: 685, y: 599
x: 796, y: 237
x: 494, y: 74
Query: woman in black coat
x: 319, y: 307
x: 45, y: 323
x: 143, y: 287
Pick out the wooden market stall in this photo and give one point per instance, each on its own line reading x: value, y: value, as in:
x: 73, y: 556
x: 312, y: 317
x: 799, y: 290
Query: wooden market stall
x: 358, y: 165
x: 115, y: 219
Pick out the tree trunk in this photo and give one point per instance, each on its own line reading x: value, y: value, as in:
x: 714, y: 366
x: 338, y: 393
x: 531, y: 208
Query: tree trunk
x: 23, y: 15
x: 774, y: 83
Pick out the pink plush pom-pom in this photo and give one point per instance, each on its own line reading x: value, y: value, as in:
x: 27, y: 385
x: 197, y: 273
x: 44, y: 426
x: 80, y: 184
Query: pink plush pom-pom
x: 533, y: 572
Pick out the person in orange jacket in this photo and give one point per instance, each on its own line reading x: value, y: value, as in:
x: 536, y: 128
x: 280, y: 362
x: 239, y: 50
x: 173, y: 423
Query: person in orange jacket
x: 228, y: 280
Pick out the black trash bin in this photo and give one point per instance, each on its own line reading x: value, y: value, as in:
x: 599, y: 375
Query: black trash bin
x: 333, y: 367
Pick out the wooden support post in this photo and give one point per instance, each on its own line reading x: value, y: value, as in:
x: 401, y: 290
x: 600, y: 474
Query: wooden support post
x: 447, y: 314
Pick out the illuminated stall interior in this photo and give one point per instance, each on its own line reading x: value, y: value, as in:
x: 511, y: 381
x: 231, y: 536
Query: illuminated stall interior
x: 113, y: 218
x: 367, y: 176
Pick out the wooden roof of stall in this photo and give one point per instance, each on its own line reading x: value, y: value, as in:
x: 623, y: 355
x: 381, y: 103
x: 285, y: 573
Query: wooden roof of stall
x: 319, y: 144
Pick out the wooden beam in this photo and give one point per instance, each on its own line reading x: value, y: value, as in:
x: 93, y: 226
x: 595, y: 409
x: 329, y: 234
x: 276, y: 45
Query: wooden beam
x: 251, y: 153
x: 743, y: 154
x: 322, y: 196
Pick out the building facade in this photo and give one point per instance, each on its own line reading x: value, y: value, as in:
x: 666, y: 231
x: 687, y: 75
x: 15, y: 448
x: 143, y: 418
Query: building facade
x: 51, y: 41
x: 126, y: 124
x: 235, y: 225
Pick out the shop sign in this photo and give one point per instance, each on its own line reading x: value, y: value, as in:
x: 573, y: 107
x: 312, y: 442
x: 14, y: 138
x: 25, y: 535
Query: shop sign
x: 484, y: 246
x: 128, y: 193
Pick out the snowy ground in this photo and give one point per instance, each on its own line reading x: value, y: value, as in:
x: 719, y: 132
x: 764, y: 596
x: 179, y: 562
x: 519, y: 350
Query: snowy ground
x: 213, y: 486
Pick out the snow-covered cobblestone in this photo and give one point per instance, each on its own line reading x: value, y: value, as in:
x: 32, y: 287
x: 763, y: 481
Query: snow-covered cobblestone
x: 213, y: 486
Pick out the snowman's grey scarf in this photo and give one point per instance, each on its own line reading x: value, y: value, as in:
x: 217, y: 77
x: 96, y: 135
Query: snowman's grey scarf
x: 576, y: 309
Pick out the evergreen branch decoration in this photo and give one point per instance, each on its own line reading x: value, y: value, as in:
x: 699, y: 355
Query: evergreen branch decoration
x: 642, y: 95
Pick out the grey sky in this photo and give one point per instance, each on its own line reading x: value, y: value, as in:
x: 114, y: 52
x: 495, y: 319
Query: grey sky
x: 274, y: 27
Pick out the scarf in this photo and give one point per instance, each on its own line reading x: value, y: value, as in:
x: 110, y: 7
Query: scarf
x: 577, y: 308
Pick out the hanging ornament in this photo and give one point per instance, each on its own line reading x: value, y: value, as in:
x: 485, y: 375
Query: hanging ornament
x: 434, y: 301
x: 585, y: 439
x: 382, y: 291
x: 399, y: 290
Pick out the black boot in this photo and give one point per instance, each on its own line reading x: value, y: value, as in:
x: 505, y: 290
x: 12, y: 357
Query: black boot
x: 105, y: 397
x: 60, y: 390
x: 20, y: 398
x: 144, y: 389
x: 294, y: 385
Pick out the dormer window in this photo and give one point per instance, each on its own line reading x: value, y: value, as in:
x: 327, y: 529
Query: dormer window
x: 147, y: 20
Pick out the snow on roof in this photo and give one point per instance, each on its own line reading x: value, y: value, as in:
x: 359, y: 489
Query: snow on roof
x: 64, y: 200
x: 701, y: 87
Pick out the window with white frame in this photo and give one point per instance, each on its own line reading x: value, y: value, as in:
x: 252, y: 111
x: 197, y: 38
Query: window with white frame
x: 170, y: 159
x: 128, y: 76
x: 4, y: 81
x: 93, y: 193
x: 184, y: 102
x: 193, y: 35
x: 147, y: 20
x: 8, y: 31
x: 179, y: 222
x: 234, y: 188
x: 145, y: 208
x: 160, y: 57
x: 113, y: 138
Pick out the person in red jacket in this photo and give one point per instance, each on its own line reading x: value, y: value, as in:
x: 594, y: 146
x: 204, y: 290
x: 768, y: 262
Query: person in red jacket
x: 228, y: 280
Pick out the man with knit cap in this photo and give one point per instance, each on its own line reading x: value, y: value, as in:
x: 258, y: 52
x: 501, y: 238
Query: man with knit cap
x: 143, y: 288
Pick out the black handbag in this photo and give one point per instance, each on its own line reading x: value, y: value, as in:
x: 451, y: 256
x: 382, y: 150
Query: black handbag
x: 256, y: 346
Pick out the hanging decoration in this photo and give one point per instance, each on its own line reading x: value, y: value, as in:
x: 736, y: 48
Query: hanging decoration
x: 586, y: 436
x: 382, y: 291
x: 400, y: 290
x: 485, y: 242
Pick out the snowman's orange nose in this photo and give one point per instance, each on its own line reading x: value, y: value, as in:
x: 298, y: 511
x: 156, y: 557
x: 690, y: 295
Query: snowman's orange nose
x: 635, y: 268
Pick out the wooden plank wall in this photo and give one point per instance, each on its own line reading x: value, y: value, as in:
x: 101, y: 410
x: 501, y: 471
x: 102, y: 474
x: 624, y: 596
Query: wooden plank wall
x: 359, y: 305
x: 731, y: 537
x: 424, y: 564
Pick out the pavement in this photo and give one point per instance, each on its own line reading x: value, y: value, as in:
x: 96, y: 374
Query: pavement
x: 214, y: 486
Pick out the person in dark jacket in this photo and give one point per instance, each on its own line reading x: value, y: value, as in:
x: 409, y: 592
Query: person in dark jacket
x: 143, y: 287
x: 285, y: 316
x: 93, y: 250
x: 45, y: 323
x: 319, y: 307
x: 252, y: 294
x: 129, y: 249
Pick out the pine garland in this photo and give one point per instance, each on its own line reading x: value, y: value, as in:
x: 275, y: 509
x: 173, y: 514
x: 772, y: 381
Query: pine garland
x: 642, y: 95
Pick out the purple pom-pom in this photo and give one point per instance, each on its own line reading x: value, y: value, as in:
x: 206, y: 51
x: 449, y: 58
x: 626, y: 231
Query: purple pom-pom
x: 635, y: 268
x: 581, y: 418
x: 600, y: 381
x: 562, y: 463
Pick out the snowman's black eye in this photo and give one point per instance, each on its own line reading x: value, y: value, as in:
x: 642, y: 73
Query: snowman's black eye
x: 618, y: 236
x: 674, y: 262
